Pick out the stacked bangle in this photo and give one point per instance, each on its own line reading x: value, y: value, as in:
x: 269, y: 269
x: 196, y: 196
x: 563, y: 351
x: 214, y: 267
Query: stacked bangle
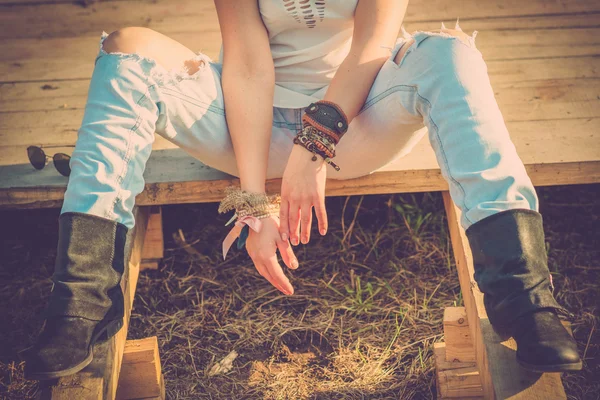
x: 324, y: 125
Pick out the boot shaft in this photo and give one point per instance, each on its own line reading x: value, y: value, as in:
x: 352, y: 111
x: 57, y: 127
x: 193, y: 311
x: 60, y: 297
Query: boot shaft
x: 89, y: 265
x: 511, y: 265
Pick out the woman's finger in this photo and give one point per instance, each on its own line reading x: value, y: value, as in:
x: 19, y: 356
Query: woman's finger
x: 278, y: 276
x: 287, y: 254
x: 306, y: 221
x: 264, y: 272
x: 294, y: 220
x: 284, y: 230
x: 321, y: 214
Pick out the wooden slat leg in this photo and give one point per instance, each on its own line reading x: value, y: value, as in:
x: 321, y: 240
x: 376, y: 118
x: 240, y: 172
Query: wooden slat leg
x: 153, y: 245
x: 455, y: 379
x: 457, y: 375
x: 102, y: 375
x: 457, y: 335
x: 141, y: 375
x: 501, y: 376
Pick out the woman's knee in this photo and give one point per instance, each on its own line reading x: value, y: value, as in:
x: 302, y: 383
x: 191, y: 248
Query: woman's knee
x: 150, y: 44
x: 448, y: 38
x: 128, y: 40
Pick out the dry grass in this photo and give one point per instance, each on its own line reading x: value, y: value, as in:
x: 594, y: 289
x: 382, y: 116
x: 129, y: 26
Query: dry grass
x: 368, y: 304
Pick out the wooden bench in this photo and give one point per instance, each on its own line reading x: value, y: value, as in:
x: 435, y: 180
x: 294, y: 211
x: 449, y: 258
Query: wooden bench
x: 542, y: 59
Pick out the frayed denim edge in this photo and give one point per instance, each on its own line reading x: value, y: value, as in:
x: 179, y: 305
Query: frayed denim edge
x: 158, y: 72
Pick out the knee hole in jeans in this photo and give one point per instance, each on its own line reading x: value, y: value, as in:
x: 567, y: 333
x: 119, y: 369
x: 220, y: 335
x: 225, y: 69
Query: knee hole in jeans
x: 152, y: 45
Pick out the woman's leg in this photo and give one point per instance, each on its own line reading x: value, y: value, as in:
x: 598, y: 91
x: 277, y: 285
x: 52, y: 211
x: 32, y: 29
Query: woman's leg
x: 143, y: 82
x: 440, y: 79
x: 147, y: 83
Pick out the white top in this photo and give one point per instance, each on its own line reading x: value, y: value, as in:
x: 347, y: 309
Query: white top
x: 309, y: 40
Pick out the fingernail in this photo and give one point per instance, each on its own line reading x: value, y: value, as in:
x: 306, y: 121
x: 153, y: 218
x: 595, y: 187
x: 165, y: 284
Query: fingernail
x: 323, y: 232
x: 295, y: 263
x: 284, y: 236
x: 295, y: 241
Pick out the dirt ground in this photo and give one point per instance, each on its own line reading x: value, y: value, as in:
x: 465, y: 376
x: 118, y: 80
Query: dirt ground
x: 367, y: 309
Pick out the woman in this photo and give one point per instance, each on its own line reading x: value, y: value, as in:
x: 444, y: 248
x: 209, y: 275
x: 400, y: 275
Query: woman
x: 296, y: 75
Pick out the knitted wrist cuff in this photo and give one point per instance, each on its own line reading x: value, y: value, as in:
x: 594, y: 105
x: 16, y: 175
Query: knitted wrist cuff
x: 245, y: 203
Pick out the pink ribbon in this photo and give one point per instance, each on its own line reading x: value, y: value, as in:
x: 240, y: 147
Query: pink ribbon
x: 254, y: 224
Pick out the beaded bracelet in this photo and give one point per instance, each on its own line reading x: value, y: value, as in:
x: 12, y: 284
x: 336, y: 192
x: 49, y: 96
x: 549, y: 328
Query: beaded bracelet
x: 316, y: 146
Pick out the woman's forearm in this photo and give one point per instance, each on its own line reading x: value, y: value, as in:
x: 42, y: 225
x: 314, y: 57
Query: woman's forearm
x: 376, y: 26
x: 353, y: 80
x: 248, y: 97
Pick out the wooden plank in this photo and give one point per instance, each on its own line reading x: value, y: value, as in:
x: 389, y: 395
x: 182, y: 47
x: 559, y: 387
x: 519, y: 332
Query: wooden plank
x: 472, y: 297
x: 387, y: 182
x: 442, y: 362
x: 501, y: 375
x: 455, y: 379
x: 570, y: 157
x: 84, y: 386
x: 73, y: 57
x: 154, y: 245
x: 103, y: 373
x: 192, y: 15
x: 141, y: 375
x: 457, y: 335
x: 546, y: 99
x: 80, y: 3
x: 495, y: 44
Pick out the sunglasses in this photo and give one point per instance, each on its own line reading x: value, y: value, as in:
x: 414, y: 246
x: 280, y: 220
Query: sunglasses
x: 39, y: 159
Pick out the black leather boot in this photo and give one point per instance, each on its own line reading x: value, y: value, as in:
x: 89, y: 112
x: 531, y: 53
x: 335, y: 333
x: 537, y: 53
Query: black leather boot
x: 544, y: 345
x: 86, y: 304
x: 511, y: 269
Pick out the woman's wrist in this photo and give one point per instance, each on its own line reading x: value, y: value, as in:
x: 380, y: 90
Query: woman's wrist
x: 301, y: 154
x: 253, y: 187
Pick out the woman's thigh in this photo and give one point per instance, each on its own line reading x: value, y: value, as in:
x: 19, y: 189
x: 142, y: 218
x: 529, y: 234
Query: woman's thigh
x: 383, y: 130
x: 188, y: 91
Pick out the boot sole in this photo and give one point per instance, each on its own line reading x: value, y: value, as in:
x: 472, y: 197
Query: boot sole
x: 552, y: 367
x: 103, y: 334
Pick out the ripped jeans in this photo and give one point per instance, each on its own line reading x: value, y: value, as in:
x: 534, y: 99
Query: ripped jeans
x: 440, y: 87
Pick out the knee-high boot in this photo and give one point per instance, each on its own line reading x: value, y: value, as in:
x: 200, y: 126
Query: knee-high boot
x: 86, y: 303
x: 511, y: 269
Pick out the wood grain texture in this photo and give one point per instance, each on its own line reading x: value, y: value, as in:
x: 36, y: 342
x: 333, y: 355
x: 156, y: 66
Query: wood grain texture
x: 541, y: 57
x: 194, y: 15
x: 57, y: 107
x: 455, y: 379
x: 457, y: 335
x: 206, y: 191
x: 154, y: 246
x: 69, y: 58
x: 84, y: 386
x: 154, y: 243
x: 501, y: 375
x: 141, y: 375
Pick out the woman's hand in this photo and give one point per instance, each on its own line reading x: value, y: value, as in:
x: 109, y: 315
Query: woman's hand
x: 302, y: 188
x: 262, y: 248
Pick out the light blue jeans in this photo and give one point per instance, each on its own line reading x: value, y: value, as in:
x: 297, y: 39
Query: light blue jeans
x: 440, y: 87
